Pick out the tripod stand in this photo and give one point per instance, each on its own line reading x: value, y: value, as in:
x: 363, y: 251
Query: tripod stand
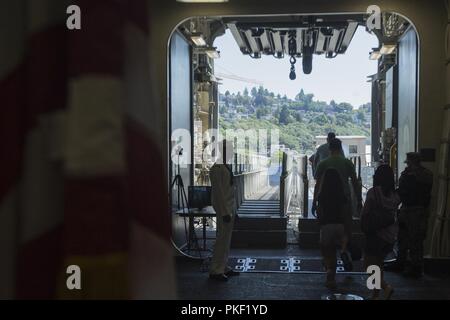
x: 183, y: 204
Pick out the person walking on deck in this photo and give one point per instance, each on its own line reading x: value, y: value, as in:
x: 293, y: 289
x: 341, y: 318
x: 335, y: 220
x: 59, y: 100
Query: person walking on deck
x: 347, y: 172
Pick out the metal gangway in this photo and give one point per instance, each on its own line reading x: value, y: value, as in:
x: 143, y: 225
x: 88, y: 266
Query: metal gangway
x: 252, y: 176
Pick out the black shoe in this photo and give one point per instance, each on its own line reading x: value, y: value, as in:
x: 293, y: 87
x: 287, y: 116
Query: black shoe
x: 218, y: 277
x: 413, y: 273
x: 395, y: 267
x: 232, y: 273
x: 347, y: 261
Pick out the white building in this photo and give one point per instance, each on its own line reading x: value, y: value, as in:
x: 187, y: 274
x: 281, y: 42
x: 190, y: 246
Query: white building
x: 353, y: 146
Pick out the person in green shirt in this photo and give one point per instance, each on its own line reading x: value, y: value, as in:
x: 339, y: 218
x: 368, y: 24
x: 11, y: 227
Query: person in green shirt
x: 347, y: 171
x: 323, y: 151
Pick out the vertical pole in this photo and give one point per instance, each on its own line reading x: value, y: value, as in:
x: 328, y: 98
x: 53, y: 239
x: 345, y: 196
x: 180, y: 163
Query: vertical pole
x: 305, y: 187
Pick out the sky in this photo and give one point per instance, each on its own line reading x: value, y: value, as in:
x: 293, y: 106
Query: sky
x: 343, y: 79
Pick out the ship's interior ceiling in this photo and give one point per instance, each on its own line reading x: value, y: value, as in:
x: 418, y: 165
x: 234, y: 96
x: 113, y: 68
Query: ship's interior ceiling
x: 301, y: 36
x: 297, y: 36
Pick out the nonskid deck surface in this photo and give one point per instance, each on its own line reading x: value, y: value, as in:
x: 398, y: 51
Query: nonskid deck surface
x: 194, y: 283
x: 288, y: 265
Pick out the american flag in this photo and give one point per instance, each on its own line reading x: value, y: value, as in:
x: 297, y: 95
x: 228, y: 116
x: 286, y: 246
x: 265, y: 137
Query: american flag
x: 82, y: 179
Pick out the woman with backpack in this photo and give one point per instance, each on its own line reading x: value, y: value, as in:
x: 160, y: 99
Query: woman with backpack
x: 331, y: 202
x: 378, y: 222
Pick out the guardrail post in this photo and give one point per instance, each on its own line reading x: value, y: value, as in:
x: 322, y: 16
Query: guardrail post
x: 305, y: 188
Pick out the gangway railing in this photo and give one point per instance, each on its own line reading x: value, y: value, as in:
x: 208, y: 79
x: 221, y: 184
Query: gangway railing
x: 354, y: 196
x: 286, y: 179
x: 294, y: 184
x: 357, y: 163
x: 250, y: 175
x: 303, y: 192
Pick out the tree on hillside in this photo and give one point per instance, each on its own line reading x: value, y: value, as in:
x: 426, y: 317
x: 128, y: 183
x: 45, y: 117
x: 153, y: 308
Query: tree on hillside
x: 360, y: 115
x: 344, y: 107
x: 309, y: 99
x: 342, y: 119
x: 227, y: 98
x: 260, y: 98
x: 284, y: 115
x: 239, y: 99
x: 321, y: 119
x: 300, y: 96
x: 259, y: 113
x: 254, y: 92
x: 298, y: 117
x: 333, y: 104
x: 318, y: 106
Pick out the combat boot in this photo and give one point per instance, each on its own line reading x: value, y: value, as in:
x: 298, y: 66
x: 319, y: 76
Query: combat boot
x: 397, y: 266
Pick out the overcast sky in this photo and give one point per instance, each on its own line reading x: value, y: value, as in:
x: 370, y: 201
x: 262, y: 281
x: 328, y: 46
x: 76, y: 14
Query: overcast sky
x: 343, y: 78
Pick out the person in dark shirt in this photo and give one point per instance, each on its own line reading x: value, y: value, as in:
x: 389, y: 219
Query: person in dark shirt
x: 331, y: 202
x: 380, y: 240
x: 347, y: 173
x: 414, y: 189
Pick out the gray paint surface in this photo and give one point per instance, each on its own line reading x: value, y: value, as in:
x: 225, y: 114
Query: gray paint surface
x: 407, y: 74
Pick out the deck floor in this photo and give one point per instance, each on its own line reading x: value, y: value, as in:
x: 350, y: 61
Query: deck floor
x: 269, y: 193
x: 193, y: 283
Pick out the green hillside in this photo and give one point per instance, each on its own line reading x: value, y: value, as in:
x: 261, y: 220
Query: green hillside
x: 298, y: 120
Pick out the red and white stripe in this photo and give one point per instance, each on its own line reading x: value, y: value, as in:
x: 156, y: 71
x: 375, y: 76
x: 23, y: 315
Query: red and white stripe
x: 82, y: 178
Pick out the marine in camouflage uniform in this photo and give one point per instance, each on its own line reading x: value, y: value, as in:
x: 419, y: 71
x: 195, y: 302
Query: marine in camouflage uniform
x: 415, y: 193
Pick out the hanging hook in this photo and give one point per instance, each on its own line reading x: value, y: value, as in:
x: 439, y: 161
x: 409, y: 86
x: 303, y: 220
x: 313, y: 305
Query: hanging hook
x: 292, y: 74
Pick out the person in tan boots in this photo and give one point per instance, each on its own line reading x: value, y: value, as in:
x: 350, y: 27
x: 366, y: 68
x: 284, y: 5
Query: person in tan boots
x: 223, y: 202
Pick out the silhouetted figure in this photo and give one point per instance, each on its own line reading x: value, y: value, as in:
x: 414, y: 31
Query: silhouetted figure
x: 378, y: 223
x: 323, y: 151
x: 330, y: 214
x: 347, y: 172
x: 223, y: 202
x: 415, y: 186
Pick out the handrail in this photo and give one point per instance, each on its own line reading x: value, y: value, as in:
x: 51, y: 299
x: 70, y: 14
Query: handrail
x: 294, y: 184
x: 357, y: 162
x: 305, y: 180
x: 247, y: 174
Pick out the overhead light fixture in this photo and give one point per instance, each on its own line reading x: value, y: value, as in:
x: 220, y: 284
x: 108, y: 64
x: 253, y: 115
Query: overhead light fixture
x: 375, y: 55
x: 299, y: 41
x: 286, y: 43
x: 320, y: 42
x: 213, y: 53
x: 265, y: 41
x: 332, y: 44
x: 348, y: 36
x: 252, y: 41
x: 278, y: 44
x: 198, y: 40
x: 388, y: 48
x: 202, y: 1
x: 238, y: 37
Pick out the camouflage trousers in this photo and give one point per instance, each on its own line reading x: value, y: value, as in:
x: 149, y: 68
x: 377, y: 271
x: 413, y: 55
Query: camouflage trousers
x: 411, y: 235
